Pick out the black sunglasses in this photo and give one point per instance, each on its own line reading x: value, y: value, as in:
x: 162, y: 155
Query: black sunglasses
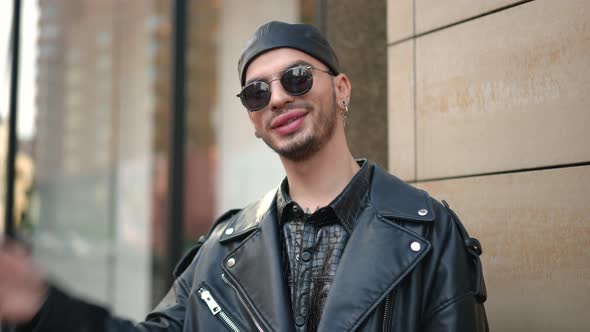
x: 296, y: 81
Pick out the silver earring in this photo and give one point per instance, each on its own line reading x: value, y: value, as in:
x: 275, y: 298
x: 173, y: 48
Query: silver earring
x: 344, y: 112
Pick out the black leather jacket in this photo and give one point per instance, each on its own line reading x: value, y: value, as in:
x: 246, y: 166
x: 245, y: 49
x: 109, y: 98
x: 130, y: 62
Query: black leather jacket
x: 409, y: 265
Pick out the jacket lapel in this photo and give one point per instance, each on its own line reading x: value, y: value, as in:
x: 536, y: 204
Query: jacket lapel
x: 257, y: 273
x: 379, y: 252
x: 377, y: 257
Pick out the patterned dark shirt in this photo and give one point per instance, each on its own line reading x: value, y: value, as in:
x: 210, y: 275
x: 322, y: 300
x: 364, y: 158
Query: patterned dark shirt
x: 313, y: 244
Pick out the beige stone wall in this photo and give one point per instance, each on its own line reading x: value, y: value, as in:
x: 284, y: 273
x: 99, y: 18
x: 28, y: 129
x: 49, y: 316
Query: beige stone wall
x: 488, y: 106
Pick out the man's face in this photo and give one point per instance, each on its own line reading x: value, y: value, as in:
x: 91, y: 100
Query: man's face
x: 295, y: 127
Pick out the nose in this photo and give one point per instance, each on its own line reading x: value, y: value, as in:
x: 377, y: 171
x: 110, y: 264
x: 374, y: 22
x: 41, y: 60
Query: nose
x: 278, y: 96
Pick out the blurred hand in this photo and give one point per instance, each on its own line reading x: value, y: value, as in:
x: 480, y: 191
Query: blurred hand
x: 22, y: 285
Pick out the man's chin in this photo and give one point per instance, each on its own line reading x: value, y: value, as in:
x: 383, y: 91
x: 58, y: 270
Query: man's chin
x: 297, y: 151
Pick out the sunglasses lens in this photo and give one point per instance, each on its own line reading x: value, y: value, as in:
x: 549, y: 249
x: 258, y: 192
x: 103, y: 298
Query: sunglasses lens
x: 297, y: 81
x: 255, y: 95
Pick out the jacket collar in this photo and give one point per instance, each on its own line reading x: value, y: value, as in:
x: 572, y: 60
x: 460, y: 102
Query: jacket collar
x: 249, y: 218
x: 396, y: 199
x: 345, y: 206
x: 391, y: 197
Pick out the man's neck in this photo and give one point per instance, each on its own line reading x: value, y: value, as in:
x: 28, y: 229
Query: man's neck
x: 316, y: 181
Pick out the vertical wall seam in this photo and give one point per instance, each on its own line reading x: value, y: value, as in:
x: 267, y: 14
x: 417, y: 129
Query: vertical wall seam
x: 415, y: 91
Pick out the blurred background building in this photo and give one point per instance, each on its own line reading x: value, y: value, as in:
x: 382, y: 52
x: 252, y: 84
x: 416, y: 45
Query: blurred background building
x: 92, y: 185
x: 481, y: 103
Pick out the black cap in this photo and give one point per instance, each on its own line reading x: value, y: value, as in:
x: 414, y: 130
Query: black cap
x: 303, y: 37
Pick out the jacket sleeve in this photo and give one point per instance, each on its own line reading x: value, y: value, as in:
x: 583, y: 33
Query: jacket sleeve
x: 62, y: 312
x: 458, y: 287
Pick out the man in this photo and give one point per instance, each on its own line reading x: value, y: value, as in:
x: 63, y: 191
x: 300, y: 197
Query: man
x: 340, y: 245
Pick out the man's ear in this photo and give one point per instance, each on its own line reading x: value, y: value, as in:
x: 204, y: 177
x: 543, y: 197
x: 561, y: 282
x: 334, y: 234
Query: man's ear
x: 342, y: 88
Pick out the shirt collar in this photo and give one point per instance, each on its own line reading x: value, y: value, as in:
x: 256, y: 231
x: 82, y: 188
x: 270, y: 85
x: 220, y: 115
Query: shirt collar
x: 346, y: 205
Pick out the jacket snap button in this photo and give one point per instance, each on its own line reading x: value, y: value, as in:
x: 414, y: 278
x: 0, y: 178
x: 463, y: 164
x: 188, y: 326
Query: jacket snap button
x: 230, y: 262
x: 229, y: 231
x: 306, y: 256
x: 423, y: 212
x: 415, y: 246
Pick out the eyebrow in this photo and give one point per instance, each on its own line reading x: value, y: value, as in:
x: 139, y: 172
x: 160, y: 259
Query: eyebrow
x: 289, y: 66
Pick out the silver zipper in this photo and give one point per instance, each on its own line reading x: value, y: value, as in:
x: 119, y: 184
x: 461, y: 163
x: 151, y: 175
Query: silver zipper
x: 216, y: 310
x: 223, y: 277
x: 386, y: 312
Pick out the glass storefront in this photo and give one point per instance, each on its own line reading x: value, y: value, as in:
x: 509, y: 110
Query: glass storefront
x: 90, y: 218
x: 94, y: 114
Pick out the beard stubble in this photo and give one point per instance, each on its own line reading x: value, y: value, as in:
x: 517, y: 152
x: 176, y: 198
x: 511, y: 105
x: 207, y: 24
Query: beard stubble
x: 306, y: 146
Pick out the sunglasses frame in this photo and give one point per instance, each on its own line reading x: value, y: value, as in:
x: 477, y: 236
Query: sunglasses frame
x: 307, y: 67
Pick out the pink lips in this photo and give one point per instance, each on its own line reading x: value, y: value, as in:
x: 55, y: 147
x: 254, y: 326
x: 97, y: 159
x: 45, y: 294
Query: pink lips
x: 289, y: 122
